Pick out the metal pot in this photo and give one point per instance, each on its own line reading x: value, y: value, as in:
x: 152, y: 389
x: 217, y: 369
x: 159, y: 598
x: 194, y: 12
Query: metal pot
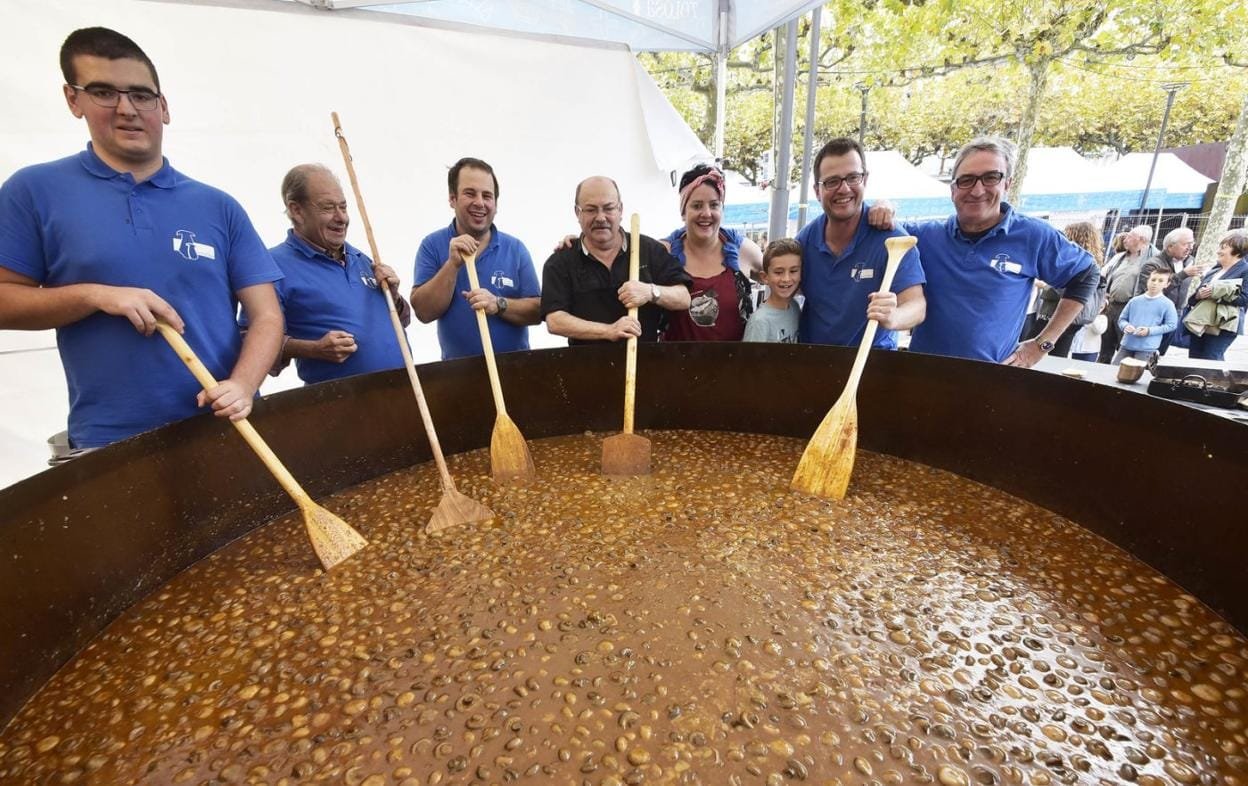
x: 81, y: 543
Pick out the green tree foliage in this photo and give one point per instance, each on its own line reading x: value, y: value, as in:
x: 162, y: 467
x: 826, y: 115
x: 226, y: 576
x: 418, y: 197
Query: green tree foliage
x: 1082, y: 74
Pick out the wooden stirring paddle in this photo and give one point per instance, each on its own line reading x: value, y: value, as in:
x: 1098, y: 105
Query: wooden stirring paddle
x: 509, y: 455
x: 333, y: 539
x: 454, y: 508
x: 627, y: 453
x: 828, y: 460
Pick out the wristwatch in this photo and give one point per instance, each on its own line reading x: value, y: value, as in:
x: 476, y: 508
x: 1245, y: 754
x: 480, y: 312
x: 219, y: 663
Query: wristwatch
x: 655, y: 292
x: 1045, y: 346
x: 501, y: 302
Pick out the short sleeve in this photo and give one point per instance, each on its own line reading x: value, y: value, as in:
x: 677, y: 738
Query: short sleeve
x: 1062, y: 260
x: 21, y: 243
x: 663, y: 267
x: 250, y: 262
x: 429, y: 259
x: 525, y: 272
x: 556, y: 286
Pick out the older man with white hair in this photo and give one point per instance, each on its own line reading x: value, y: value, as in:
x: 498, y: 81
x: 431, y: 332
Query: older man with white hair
x: 1122, y: 282
x: 1174, y: 258
x: 337, y: 324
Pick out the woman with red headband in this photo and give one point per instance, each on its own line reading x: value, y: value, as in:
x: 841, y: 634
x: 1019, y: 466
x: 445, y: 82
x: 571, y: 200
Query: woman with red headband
x: 717, y: 259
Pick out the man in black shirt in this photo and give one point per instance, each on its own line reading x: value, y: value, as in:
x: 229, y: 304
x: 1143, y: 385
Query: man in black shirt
x: 586, y: 293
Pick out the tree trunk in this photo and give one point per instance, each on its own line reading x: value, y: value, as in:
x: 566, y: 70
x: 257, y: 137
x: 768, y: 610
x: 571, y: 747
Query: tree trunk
x: 1027, y: 126
x: 1230, y: 186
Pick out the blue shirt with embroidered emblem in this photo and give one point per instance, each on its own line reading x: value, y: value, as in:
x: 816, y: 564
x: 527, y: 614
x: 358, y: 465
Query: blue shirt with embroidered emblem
x: 504, y: 268
x: 75, y: 221
x: 320, y: 294
x: 836, y: 287
x: 978, y: 289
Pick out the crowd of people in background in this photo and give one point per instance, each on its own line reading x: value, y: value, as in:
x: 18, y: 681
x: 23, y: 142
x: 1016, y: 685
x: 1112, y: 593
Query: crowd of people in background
x: 1150, y: 299
x: 162, y: 246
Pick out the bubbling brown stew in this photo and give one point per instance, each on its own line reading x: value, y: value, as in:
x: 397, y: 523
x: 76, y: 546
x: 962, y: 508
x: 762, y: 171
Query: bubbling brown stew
x: 698, y: 625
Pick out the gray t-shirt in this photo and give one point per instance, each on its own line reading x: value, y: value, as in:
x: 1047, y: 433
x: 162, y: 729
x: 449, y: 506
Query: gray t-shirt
x: 769, y: 323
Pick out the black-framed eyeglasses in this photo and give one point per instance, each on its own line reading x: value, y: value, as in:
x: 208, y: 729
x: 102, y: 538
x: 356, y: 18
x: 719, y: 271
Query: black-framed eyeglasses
x: 109, y: 97
x: 989, y: 179
x: 834, y: 182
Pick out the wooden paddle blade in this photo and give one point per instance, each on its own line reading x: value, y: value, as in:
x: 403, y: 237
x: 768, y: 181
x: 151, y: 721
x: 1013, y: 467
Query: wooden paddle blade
x: 333, y: 539
x: 510, y: 461
x: 828, y: 460
x: 626, y: 454
x: 456, y: 509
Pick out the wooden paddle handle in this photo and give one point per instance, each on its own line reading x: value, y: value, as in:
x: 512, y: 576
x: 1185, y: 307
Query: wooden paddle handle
x: 630, y: 363
x: 487, y: 343
x: 896, y: 251
x: 257, y: 443
x: 399, y: 333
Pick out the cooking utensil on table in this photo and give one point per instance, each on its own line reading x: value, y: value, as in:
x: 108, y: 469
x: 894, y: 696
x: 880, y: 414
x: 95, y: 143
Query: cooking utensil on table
x: 828, y: 460
x: 628, y: 453
x: 454, y: 508
x: 333, y: 539
x: 510, y: 461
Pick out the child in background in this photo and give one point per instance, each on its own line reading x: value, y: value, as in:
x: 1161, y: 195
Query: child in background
x: 1087, y: 342
x: 776, y: 320
x: 1146, y: 318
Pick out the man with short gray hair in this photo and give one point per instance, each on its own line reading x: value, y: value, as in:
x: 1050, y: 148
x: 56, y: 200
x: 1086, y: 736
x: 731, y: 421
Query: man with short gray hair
x: 981, y: 264
x: 1174, y: 258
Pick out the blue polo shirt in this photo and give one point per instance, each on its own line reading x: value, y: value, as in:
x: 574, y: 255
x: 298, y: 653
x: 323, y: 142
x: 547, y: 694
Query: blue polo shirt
x: 504, y: 268
x: 319, y: 294
x: 978, y: 290
x: 77, y: 221
x: 836, y: 287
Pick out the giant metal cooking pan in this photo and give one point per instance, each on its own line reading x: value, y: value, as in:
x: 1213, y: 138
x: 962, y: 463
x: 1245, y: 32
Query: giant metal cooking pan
x: 81, y: 543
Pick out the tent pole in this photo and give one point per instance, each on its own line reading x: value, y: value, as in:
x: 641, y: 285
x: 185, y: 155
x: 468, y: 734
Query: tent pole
x: 721, y: 83
x: 721, y: 98
x: 812, y: 82
x: 779, y: 225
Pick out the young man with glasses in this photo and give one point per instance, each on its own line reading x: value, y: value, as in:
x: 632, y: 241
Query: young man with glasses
x: 586, y: 291
x: 102, y: 244
x: 982, y: 262
x: 509, y: 291
x: 843, y: 260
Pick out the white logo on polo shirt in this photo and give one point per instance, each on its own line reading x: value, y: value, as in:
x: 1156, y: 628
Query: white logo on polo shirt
x: 1003, y: 264
x: 860, y: 272
x: 185, y: 244
x: 500, y: 280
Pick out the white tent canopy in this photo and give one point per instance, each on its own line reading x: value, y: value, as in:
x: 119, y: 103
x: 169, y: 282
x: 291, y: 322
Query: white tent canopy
x: 251, y: 91
x: 1173, y: 179
x: 894, y: 177
x: 654, y: 25
x: 1061, y: 170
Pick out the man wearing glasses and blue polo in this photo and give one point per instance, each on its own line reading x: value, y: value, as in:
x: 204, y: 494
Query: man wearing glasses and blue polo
x: 843, y: 260
x: 102, y: 244
x: 586, y: 291
x: 981, y: 264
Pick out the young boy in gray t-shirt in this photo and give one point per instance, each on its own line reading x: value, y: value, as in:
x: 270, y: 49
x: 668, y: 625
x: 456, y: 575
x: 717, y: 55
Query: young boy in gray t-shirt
x: 776, y: 320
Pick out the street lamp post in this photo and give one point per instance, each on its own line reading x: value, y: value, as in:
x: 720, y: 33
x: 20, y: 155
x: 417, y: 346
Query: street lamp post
x: 1171, y: 89
x: 862, y: 118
